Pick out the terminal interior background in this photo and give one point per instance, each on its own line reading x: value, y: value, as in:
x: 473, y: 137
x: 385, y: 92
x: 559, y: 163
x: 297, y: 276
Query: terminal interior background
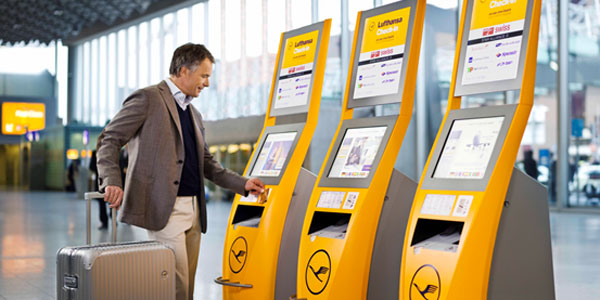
x: 83, y: 78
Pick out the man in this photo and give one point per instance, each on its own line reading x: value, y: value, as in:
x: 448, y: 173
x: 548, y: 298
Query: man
x: 168, y: 161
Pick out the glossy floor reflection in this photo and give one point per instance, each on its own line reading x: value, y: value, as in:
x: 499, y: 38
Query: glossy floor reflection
x: 34, y: 225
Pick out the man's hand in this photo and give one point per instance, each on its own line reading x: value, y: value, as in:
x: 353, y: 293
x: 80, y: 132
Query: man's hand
x: 113, y: 195
x: 254, y: 186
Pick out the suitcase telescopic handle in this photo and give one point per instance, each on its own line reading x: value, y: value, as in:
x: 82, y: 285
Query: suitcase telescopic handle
x: 88, y: 198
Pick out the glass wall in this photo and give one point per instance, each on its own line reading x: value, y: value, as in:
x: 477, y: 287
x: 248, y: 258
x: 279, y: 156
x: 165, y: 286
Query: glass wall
x: 584, y: 88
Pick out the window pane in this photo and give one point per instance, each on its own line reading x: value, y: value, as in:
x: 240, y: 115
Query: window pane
x: 253, y: 28
x: 102, y: 88
x: 182, y: 27
x: 584, y: 88
x: 331, y: 9
x: 275, y: 24
x: 122, y: 59
x: 143, y: 56
x: 112, y: 80
x: 232, y: 30
x: 198, y: 23
x: 353, y: 8
x: 155, y: 51
x: 301, y: 13
x: 132, y: 57
x: 332, y: 81
x: 214, y: 24
x: 94, y: 83
x: 169, y: 42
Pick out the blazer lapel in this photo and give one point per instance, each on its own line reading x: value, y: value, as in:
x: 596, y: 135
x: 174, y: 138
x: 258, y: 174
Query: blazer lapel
x: 165, y: 92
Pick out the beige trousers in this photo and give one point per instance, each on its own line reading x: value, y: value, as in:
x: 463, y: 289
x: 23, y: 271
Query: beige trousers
x: 182, y: 233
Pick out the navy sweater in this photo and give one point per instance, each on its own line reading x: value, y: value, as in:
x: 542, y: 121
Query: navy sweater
x: 190, y: 183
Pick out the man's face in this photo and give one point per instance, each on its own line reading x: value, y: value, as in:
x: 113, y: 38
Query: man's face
x: 190, y: 82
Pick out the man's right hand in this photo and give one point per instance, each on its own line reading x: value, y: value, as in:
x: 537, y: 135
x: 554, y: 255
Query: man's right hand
x: 113, y: 195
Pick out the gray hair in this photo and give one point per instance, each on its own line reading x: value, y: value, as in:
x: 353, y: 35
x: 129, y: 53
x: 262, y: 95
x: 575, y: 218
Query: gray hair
x: 190, y: 56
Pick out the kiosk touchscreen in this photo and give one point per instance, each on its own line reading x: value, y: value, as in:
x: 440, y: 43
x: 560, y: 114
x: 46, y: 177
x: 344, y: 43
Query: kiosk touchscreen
x: 479, y: 228
x: 261, y: 244
x: 342, y: 220
x: 273, y: 154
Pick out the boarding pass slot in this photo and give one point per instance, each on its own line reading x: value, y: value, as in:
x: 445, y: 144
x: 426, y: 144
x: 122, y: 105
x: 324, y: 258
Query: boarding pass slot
x: 437, y: 235
x: 330, y: 225
x: 248, y: 215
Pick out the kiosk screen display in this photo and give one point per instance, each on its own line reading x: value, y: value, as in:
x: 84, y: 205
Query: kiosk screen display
x: 273, y: 154
x: 381, y: 54
x: 468, y: 148
x: 494, y: 41
x: 356, y: 153
x: 296, y: 70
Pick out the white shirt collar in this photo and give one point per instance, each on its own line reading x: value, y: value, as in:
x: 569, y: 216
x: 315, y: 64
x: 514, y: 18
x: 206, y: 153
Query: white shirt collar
x: 182, y: 100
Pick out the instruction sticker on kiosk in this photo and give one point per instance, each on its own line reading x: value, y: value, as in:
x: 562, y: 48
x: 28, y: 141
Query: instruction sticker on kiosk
x: 494, y: 41
x: 463, y: 205
x: 350, y: 201
x: 436, y: 204
x: 296, y: 71
x: 381, y: 54
x: 330, y: 199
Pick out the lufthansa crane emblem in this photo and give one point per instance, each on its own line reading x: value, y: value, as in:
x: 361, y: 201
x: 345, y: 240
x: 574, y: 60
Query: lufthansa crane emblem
x: 318, y: 272
x: 425, y: 284
x: 238, y: 254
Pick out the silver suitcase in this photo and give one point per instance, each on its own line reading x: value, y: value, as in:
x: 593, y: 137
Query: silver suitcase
x: 134, y: 270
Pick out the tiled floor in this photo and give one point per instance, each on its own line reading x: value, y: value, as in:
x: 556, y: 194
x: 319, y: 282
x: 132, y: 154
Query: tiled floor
x: 34, y: 225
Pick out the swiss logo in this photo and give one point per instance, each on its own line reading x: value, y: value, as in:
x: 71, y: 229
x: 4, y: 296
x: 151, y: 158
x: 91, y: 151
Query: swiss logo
x: 318, y: 272
x: 238, y: 254
x: 425, y: 284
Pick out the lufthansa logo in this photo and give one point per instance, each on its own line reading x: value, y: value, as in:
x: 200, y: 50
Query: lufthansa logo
x: 238, y: 254
x: 371, y: 25
x: 290, y: 45
x: 318, y: 272
x: 425, y: 284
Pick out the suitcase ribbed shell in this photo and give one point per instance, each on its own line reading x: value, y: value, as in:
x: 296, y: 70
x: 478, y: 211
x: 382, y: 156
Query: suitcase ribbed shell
x: 128, y: 271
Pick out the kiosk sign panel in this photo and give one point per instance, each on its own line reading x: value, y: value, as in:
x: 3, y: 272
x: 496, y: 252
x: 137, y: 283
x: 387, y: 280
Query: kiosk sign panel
x: 273, y: 155
x: 381, y: 54
x: 357, y: 152
x: 293, y: 86
x: 468, y: 148
x: 493, y: 45
x: 494, y: 41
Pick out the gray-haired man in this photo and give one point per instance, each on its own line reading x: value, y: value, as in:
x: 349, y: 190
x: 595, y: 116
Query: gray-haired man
x: 168, y: 161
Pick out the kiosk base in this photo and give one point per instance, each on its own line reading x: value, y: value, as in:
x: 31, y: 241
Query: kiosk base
x: 389, y: 240
x: 522, y: 263
x: 287, y: 264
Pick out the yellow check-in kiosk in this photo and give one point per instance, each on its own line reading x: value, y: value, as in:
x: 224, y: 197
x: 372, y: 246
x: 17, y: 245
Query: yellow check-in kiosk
x: 479, y: 228
x: 263, y: 233
x: 341, y: 221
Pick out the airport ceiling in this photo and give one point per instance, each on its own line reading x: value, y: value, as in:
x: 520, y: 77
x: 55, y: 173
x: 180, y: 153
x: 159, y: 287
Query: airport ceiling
x: 70, y: 20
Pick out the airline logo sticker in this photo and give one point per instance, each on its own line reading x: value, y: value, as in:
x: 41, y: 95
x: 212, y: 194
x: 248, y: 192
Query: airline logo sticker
x: 318, y: 272
x: 381, y: 54
x: 296, y: 70
x: 238, y: 254
x: 494, y: 41
x: 425, y: 284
